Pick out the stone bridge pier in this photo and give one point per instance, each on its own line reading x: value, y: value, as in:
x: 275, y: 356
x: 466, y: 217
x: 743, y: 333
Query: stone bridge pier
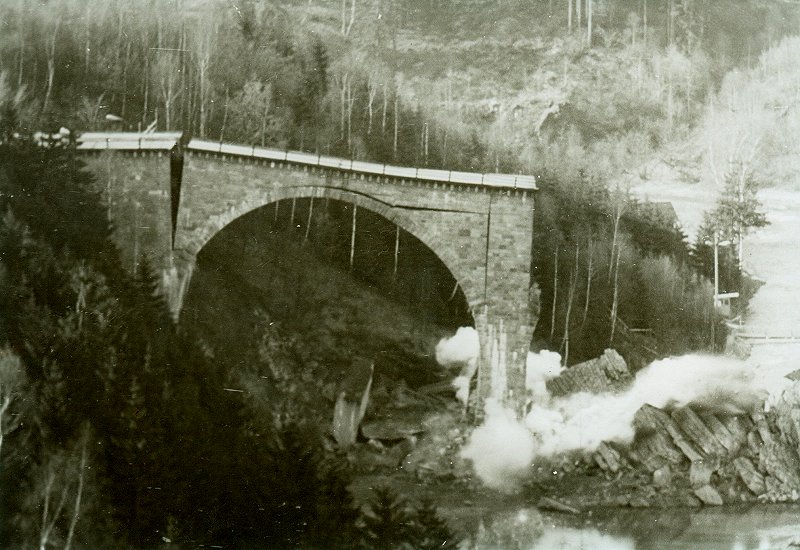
x: 167, y: 201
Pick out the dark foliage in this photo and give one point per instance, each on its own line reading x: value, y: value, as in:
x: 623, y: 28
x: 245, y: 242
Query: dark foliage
x: 393, y: 522
x: 173, y: 455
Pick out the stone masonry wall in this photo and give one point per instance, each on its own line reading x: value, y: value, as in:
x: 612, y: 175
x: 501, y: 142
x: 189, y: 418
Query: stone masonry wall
x: 136, y: 188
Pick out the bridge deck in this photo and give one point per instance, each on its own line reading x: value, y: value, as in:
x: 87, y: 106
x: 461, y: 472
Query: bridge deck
x: 166, y: 141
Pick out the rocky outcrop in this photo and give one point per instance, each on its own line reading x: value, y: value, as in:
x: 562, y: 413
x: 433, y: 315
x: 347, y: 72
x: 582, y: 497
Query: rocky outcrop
x: 718, y: 458
x: 693, y: 454
x: 607, y: 373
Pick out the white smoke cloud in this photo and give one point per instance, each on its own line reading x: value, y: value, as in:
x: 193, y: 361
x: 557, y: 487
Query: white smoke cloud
x: 541, y: 367
x: 501, y: 450
x: 463, y: 348
x: 582, y: 421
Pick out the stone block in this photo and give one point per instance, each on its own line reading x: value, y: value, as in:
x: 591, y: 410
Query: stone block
x: 662, y: 477
x: 697, y: 432
x: 751, y: 477
x: 607, y: 373
x: 700, y: 472
x: 708, y: 495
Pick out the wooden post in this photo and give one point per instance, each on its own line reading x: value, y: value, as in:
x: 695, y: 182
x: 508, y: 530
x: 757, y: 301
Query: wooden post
x: 353, y: 237
x: 396, y: 252
x: 308, y: 223
x: 276, y: 210
x: 291, y: 219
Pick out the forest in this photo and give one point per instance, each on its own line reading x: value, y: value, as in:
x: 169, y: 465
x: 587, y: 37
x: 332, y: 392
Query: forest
x: 115, y: 426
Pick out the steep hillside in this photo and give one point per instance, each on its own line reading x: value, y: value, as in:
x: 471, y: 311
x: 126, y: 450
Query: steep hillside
x: 529, y: 84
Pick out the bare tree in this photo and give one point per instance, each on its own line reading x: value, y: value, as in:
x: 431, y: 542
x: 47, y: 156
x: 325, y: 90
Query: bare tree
x: 342, y: 82
x: 51, y: 63
x: 619, y: 201
x: 347, y: 26
x: 63, y: 481
x: 570, y: 297
x: 589, y: 22
x: 372, y: 91
x: 589, y: 275
x: 12, y: 379
x: 167, y: 81
x: 615, y: 300
x: 569, y: 16
x: 396, y: 122
x: 203, y: 49
x: 555, y: 296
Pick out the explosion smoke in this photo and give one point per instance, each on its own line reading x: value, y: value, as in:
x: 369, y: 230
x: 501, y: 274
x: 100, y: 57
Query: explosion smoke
x: 582, y: 421
x: 464, y: 349
x: 503, y: 448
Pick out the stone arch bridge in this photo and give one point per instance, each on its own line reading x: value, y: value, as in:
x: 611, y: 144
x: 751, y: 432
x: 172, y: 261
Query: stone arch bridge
x: 167, y: 199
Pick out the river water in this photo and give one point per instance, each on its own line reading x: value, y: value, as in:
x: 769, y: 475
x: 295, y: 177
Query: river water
x: 758, y: 527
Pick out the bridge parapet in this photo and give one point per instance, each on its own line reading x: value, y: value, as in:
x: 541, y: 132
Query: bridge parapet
x: 128, y: 141
x: 499, y: 181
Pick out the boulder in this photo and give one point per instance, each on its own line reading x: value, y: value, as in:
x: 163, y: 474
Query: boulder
x: 547, y: 503
x: 697, y: 432
x: 751, y: 477
x: 656, y: 450
x: 391, y: 429
x: 708, y: 495
x: 721, y: 432
x: 607, y: 373
x: 649, y: 419
x: 780, y: 462
x: 608, y: 458
x: 662, y: 477
x: 739, y: 426
x: 700, y: 472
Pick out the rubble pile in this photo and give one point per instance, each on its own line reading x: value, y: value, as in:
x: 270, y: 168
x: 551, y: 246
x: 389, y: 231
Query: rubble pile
x: 694, y: 455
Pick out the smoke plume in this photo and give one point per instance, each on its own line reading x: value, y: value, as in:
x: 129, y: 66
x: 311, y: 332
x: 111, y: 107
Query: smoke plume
x: 462, y: 349
x: 582, y: 421
x: 503, y: 448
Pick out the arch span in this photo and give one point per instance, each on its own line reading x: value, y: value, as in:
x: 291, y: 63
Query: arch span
x: 188, y: 246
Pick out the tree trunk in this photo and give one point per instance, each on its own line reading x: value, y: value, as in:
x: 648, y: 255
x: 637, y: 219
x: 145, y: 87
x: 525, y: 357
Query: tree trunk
x: 125, y: 80
x: 371, y: 92
x: 589, y: 23
x: 644, y: 25
x: 224, y: 117
x: 77, y: 509
x: 589, y: 273
x: 350, y: 102
x: 555, y: 297
x: 569, y: 16
x: 385, y: 106
x: 396, y: 124
x: 51, y: 66
x: 21, y: 46
x: 264, y: 119
x: 572, y: 285
x: 343, y: 102
x: 615, y: 302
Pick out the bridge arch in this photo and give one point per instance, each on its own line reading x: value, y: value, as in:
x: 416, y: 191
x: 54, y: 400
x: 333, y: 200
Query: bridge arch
x: 189, y: 246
